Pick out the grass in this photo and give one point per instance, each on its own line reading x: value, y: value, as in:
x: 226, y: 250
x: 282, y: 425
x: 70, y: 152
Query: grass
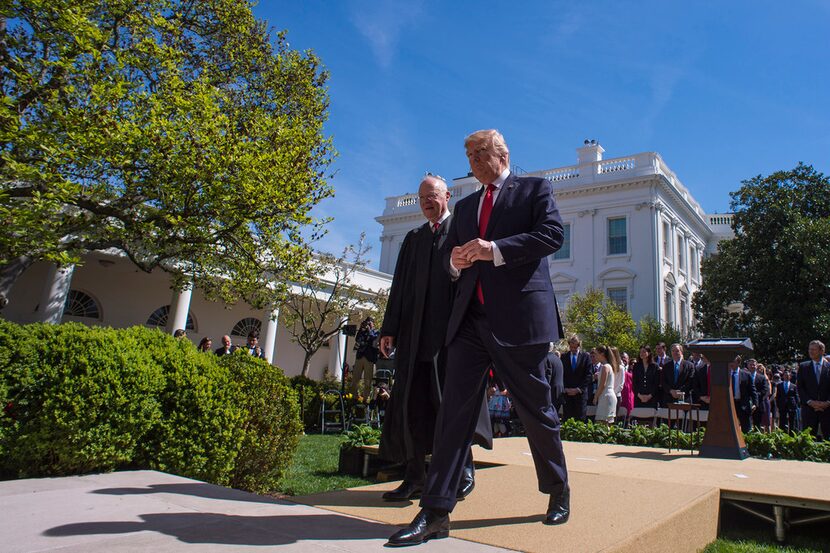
x: 743, y: 533
x: 314, y: 469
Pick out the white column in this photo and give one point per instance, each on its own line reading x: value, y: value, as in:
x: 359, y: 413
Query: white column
x: 179, y: 308
x: 272, y: 321
x: 55, y: 292
x: 337, y: 353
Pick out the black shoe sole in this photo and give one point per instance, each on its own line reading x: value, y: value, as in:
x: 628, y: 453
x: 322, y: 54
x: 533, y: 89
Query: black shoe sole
x: 434, y: 536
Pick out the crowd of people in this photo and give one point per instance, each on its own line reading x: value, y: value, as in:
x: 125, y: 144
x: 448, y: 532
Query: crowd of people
x: 777, y: 396
x: 251, y: 346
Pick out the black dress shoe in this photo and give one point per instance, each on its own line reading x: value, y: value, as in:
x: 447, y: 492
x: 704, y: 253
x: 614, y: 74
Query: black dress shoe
x: 559, y: 508
x: 427, y: 525
x: 404, y: 492
x: 467, y: 483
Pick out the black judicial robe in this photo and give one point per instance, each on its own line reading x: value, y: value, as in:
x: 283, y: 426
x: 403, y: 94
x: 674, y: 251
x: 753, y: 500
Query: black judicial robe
x: 417, y: 313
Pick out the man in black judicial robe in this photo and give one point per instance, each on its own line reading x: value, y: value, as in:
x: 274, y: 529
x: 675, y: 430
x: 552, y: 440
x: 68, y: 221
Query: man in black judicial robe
x: 415, y: 324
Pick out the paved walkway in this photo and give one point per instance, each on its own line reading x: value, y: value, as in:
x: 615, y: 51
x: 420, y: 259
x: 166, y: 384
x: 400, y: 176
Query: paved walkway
x: 154, y: 511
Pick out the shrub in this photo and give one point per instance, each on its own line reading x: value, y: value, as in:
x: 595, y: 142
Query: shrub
x: 778, y: 444
x: 79, y: 399
x: 82, y: 399
x: 310, y: 394
x: 272, y: 425
x: 359, y: 436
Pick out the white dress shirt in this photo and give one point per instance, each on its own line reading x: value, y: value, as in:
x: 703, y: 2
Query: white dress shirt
x: 498, y: 260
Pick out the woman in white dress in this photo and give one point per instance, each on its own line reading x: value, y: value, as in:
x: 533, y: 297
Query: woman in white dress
x: 605, y: 398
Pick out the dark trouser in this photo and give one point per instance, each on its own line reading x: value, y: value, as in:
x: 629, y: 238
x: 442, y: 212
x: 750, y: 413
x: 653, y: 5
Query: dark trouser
x: 575, y: 407
x: 810, y: 418
x: 744, y: 417
x: 421, y: 415
x: 787, y: 419
x: 522, y: 369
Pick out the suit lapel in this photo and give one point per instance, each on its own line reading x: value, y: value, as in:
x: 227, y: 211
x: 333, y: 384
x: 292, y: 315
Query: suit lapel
x: 506, y: 190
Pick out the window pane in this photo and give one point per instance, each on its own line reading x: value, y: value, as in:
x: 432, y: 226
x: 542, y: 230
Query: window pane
x: 617, y: 239
x: 619, y: 296
x: 565, y: 251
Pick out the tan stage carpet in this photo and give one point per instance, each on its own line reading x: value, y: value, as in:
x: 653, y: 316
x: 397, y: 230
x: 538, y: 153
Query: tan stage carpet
x: 623, y: 499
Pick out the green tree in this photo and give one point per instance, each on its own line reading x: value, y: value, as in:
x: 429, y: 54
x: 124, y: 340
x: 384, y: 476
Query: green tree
x: 175, y: 131
x: 599, y: 321
x: 326, y: 298
x: 651, y: 332
x: 771, y: 282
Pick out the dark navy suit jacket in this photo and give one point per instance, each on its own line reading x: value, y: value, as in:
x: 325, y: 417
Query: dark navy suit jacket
x: 518, y: 296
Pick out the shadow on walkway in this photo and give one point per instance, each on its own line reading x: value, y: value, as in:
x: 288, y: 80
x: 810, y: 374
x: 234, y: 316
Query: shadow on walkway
x: 197, y: 489
x: 352, y: 498
x: 215, y: 528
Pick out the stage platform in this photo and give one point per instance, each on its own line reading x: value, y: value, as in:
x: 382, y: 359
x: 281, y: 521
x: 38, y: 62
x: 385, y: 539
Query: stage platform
x: 624, y: 499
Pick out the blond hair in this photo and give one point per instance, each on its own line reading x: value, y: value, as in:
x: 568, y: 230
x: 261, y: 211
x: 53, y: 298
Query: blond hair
x: 489, y: 138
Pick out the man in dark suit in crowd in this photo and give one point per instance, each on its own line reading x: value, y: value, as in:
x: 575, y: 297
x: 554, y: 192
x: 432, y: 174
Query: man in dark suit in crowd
x: 227, y: 347
x: 594, y: 370
x: 786, y: 398
x: 415, y: 325
x: 702, y: 386
x: 553, y: 373
x: 762, y: 390
x: 678, y: 377
x: 576, y: 378
x: 504, y: 313
x: 814, y: 390
x: 743, y: 394
x: 661, y: 357
x: 253, y: 348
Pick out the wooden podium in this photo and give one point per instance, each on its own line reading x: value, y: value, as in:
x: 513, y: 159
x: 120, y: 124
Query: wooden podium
x: 723, y: 438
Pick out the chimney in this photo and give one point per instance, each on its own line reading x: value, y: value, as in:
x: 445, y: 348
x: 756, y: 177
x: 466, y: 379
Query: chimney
x: 590, y: 152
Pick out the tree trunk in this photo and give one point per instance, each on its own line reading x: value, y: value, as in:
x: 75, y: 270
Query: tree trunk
x: 306, y: 363
x: 9, y: 274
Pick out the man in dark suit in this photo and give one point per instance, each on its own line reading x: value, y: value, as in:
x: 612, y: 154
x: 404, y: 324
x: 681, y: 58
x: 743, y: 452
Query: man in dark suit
x: 553, y: 373
x: 678, y: 377
x: 576, y: 378
x: 504, y: 313
x: 660, y: 358
x: 786, y: 398
x: 814, y: 390
x: 227, y: 347
x: 743, y: 394
x: 253, y: 348
x: 415, y: 325
x: 762, y: 390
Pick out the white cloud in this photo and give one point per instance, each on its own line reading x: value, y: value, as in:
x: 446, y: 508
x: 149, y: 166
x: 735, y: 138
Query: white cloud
x: 382, y: 23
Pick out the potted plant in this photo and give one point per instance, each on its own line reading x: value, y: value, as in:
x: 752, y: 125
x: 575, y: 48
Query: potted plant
x: 351, y: 452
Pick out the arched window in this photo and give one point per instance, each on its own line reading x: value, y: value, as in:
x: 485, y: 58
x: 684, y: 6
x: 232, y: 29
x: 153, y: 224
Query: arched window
x: 160, y: 316
x: 245, y: 326
x: 81, y: 304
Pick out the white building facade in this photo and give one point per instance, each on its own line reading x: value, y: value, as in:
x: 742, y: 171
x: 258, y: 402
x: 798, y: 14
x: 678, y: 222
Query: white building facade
x: 632, y: 229
x: 108, y: 290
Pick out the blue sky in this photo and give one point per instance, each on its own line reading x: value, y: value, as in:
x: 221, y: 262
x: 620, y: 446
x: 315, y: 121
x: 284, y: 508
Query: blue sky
x: 722, y: 90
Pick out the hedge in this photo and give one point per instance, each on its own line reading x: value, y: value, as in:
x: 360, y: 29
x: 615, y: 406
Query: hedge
x: 778, y: 444
x: 84, y: 399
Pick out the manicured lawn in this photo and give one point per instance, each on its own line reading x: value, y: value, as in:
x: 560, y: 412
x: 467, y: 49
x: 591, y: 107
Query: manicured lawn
x: 314, y: 469
x: 748, y: 546
x: 743, y: 533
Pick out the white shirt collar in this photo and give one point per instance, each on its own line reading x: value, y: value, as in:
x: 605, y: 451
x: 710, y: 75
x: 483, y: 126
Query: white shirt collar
x: 501, y: 178
x: 444, y: 217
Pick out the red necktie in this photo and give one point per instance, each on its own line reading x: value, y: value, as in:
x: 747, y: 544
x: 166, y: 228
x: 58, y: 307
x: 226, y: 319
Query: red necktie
x: 483, y: 219
x: 435, y: 227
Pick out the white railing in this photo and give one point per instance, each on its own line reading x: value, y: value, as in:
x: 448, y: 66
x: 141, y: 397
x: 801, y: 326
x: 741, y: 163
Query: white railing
x: 619, y: 164
x: 565, y: 173
x: 596, y: 172
x: 725, y: 219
